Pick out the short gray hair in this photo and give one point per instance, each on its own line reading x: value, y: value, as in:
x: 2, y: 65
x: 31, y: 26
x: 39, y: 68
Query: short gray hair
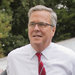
x: 42, y: 7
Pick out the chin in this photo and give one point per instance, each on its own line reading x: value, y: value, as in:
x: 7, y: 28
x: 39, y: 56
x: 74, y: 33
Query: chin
x: 36, y: 43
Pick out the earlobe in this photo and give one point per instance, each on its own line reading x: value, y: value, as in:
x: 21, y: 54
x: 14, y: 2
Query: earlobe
x: 53, y: 30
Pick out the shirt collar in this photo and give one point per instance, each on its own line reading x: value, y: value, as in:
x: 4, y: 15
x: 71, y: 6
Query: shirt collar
x: 47, y: 51
x: 32, y: 52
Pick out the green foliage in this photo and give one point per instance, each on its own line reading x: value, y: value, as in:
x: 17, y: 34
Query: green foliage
x: 66, y: 25
x: 28, y: 3
x: 19, y: 22
x: 1, y: 51
x: 5, y: 19
x: 13, y: 42
x: 5, y: 25
x: 5, y: 6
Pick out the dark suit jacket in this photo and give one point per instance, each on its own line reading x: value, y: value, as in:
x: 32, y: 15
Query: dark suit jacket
x: 4, y: 73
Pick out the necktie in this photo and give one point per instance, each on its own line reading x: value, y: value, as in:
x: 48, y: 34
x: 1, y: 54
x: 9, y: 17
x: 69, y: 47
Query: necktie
x: 41, y: 67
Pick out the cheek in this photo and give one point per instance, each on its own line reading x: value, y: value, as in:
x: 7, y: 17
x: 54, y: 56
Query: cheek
x: 29, y: 32
x: 48, y: 34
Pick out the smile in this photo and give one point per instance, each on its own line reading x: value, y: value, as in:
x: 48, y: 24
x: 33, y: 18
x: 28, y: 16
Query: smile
x: 37, y: 36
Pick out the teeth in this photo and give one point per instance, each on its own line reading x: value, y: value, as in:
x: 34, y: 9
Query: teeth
x: 36, y: 36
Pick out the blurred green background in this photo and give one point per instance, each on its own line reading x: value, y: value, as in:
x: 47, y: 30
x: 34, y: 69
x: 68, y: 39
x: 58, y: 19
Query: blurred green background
x: 14, y: 20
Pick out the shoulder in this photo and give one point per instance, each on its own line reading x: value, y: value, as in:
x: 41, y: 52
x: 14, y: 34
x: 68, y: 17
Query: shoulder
x: 64, y: 56
x: 63, y: 50
x: 19, y: 51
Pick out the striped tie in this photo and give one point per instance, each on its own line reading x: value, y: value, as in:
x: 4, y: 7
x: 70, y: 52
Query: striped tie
x: 41, y: 67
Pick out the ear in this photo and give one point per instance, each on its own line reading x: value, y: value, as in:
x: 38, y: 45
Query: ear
x: 53, y: 30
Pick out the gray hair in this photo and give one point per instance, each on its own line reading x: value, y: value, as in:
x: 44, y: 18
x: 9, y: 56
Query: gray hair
x: 42, y: 7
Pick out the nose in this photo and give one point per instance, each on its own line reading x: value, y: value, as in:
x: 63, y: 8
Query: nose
x: 36, y: 27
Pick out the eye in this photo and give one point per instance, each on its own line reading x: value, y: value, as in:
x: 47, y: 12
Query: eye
x: 32, y: 24
x: 41, y: 23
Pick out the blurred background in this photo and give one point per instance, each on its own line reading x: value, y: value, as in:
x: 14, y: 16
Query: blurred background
x: 14, y: 20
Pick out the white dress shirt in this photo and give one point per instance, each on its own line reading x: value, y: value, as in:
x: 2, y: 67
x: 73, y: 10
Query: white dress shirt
x: 57, y: 60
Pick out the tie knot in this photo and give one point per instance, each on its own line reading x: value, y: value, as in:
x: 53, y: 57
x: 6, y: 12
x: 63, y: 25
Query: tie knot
x: 39, y: 56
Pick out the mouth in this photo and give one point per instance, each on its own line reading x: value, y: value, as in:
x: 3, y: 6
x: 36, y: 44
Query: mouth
x: 37, y: 36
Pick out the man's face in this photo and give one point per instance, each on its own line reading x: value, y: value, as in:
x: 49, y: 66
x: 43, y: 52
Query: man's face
x: 40, y: 35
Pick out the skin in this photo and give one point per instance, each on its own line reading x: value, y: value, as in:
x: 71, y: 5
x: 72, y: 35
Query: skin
x: 40, y: 38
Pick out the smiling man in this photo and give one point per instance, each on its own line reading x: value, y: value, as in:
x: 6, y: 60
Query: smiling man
x: 40, y: 30
x: 41, y: 56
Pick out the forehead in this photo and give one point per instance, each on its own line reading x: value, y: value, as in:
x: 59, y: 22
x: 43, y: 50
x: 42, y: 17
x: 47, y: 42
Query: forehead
x: 40, y: 16
x: 40, y: 12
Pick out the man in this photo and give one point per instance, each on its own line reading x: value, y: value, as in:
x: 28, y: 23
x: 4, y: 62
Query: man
x: 41, y: 56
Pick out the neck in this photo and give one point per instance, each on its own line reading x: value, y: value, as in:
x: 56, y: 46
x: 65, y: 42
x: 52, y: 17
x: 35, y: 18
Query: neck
x: 39, y: 47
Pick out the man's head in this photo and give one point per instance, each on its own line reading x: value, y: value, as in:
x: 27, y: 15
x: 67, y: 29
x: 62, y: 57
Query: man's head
x: 53, y: 16
x: 41, y: 26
